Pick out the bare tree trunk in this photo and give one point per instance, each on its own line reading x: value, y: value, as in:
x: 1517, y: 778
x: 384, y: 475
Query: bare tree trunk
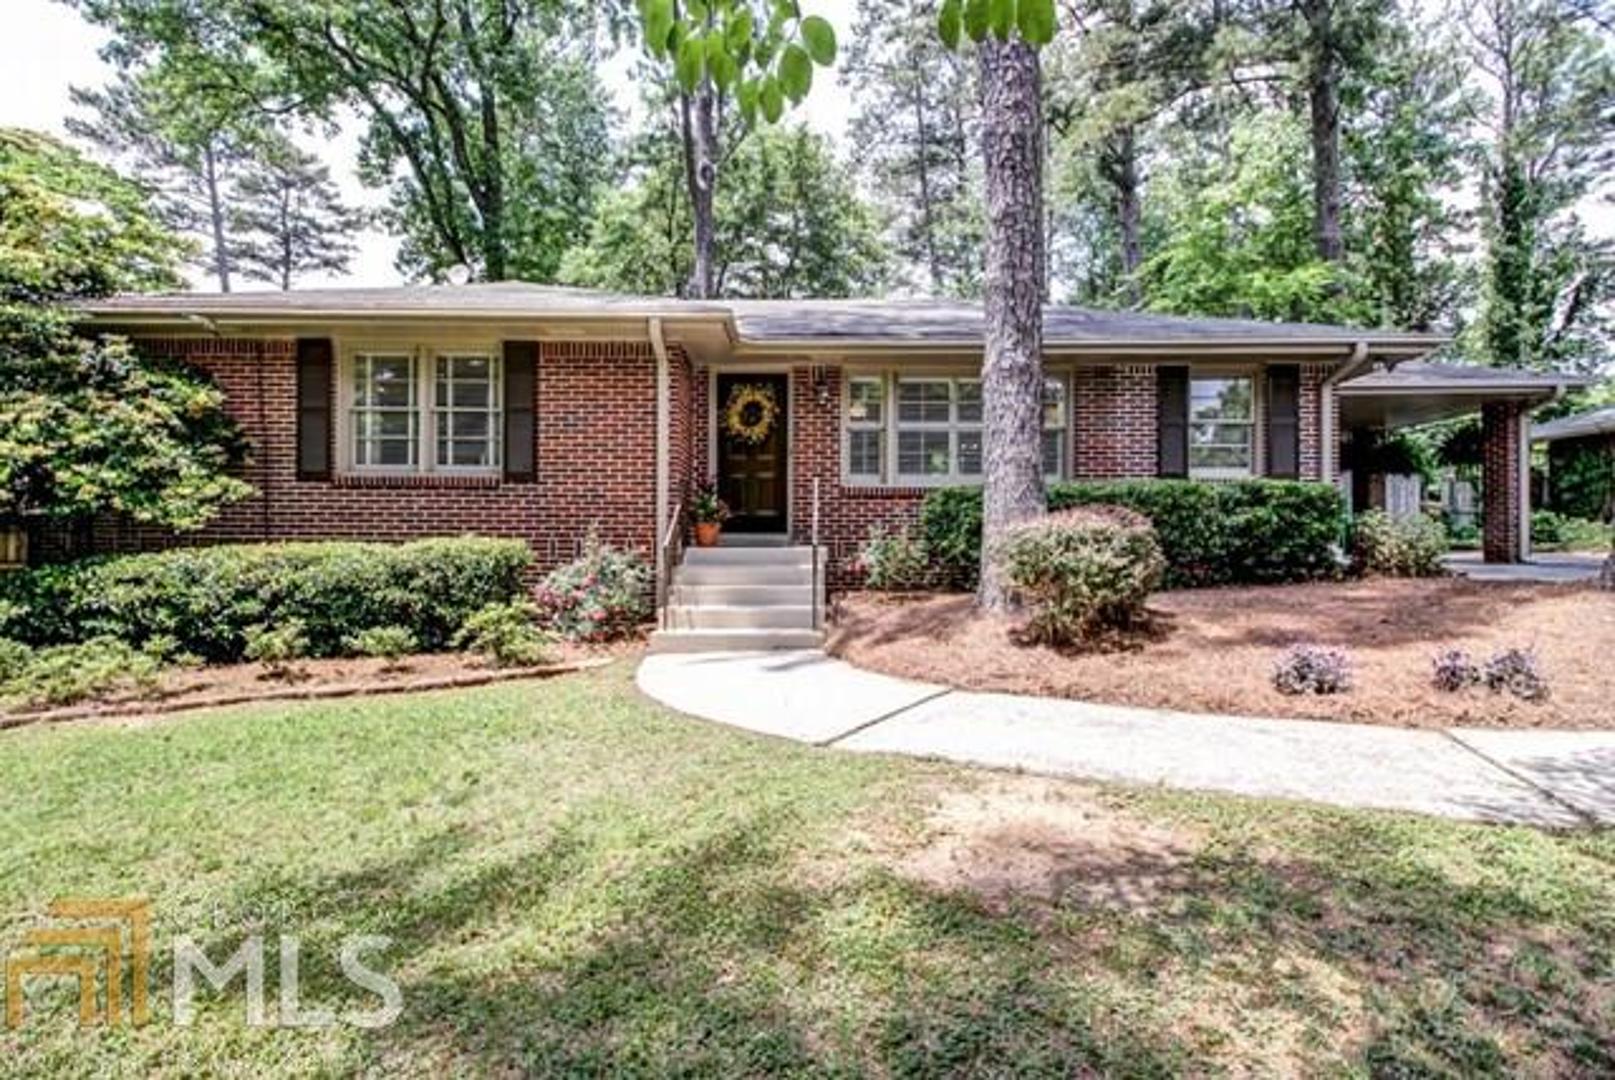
x: 933, y: 263
x: 215, y: 206
x: 1119, y: 166
x: 1012, y: 368
x: 1323, y: 92
x: 698, y: 126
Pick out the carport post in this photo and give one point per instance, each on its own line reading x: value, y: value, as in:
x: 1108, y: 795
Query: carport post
x: 1505, y: 478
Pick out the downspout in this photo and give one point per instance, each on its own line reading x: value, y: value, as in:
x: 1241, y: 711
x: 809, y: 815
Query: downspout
x: 664, y: 441
x: 1355, y: 364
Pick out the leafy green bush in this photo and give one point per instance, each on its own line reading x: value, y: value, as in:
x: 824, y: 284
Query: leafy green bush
x: 1082, y: 571
x: 205, y: 599
x: 277, y: 648
x: 390, y: 644
x: 1404, y: 547
x: 14, y: 657
x: 602, y: 595
x: 895, y: 560
x: 66, y: 674
x: 1548, y: 529
x: 1246, y: 532
x: 505, y: 635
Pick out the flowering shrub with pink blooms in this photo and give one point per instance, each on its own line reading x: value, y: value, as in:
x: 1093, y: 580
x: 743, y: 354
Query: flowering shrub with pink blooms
x: 602, y: 595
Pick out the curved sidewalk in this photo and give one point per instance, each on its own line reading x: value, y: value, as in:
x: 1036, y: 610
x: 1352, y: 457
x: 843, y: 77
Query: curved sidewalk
x: 1550, y: 778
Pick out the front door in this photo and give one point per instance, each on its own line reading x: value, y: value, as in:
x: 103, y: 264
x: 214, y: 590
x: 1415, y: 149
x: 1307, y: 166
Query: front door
x: 752, y: 413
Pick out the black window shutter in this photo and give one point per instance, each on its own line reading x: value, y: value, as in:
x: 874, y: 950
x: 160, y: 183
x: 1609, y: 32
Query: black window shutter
x: 521, y: 384
x: 314, y: 380
x: 1172, y: 419
x: 1284, y: 421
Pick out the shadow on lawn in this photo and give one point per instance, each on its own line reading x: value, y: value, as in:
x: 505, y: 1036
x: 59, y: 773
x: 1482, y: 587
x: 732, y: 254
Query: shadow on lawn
x: 716, y: 956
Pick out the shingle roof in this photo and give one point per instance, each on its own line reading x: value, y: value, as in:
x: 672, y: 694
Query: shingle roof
x: 1423, y: 375
x: 756, y: 321
x: 1596, y: 422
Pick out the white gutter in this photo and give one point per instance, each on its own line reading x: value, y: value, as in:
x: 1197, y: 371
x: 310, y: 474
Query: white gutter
x: 664, y: 442
x: 1354, y: 366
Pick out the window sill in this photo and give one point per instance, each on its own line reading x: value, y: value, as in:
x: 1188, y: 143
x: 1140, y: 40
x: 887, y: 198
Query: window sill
x: 417, y: 480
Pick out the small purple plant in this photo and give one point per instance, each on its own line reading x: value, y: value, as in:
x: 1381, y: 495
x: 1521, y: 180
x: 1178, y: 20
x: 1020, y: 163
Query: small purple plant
x: 1313, y: 669
x: 1454, y: 670
x: 1517, y: 671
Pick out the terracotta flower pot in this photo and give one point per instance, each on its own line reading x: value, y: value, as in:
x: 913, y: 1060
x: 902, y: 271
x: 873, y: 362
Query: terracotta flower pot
x: 707, y: 532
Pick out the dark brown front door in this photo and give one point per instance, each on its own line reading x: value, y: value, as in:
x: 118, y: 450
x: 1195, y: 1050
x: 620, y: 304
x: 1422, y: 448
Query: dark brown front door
x: 751, y: 472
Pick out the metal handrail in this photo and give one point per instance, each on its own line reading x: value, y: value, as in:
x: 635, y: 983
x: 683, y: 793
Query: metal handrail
x: 669, y: 559
x: 814, y: 539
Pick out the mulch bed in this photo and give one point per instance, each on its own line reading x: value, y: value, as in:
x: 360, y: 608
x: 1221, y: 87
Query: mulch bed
x: 1213, y: 650
x: 182, y: 689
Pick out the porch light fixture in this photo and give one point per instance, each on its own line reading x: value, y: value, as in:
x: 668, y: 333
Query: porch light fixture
x: 821, y: 386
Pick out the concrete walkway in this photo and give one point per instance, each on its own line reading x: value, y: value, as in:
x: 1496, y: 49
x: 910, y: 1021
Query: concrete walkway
x: 1545, y: 567
x: 1556, y: 778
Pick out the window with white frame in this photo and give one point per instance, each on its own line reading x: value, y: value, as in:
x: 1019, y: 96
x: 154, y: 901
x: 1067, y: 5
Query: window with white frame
x: 425, y: 411
x: 926, y: 430
x: 1222, y: 426
x: 468, y: 412
x: 866, y: 427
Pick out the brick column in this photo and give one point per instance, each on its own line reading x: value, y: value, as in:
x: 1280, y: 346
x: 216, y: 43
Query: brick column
x: 1506, y: 533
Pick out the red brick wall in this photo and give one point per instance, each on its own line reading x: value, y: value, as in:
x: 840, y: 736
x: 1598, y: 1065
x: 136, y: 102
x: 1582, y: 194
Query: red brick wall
x: 1500, y: 486
x: 1115, y: 416
x: 595, y: 449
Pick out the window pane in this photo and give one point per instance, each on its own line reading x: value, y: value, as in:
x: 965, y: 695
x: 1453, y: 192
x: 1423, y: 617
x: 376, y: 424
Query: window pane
x: 393, y: 452
x: 864, y: 404
x: 1220, y: 434
x: 1220, y: 399
x: 473, y: 368
x: 970, y: 452
x: 863, y: 453
x: 469, y: 425
x: 395, y: 424
x: 1054, y: 453
x: 1220, y: 457
x: 922, y: 453
x: 1053, y: 403
x: 464, y: 454
x: 392, y: 382
x: 969, y: 401
x: 923, y: 401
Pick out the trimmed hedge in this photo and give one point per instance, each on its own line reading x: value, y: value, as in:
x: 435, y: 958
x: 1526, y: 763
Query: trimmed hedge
x: 205, y: 600
x: 1244, y: 532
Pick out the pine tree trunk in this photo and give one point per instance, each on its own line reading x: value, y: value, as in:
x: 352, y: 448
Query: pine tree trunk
x: 1012, y: 368
x: 1120, y: 164
x: 699, y: 128
x: 1323, y: 94
x: 215, y: 205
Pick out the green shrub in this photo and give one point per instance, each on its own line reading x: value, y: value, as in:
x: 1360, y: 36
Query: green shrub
x: 1548, y: 529
x: 1405, y: 547
x: 1082, y: 571
x: 505, y: 635
x: 277, y: 648
x: 1245, y: 532
x: 205, y: 599
x: 390, y: 644
x: 14, y: 657
x: 895, y: 561
x: 602, y: 595
x: 67, y: 674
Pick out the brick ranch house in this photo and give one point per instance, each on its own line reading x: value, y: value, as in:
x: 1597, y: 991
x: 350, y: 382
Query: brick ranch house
x: 541, y: 413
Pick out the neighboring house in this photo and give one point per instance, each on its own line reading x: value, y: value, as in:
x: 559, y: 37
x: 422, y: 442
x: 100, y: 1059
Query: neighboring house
x: 1581, y: 463
x: 543, y: 413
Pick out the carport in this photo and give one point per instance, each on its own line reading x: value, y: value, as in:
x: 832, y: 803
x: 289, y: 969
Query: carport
x: 1417, y: 392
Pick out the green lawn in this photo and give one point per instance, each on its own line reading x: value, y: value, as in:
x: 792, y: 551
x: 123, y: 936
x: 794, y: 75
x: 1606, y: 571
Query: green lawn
x: 578, y: 881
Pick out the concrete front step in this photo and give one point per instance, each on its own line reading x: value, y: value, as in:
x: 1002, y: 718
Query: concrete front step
x: 687, y: 595
x: 747, y: 616
x: 743, y: 574
x: 730, y: 640
x: 751, y: 556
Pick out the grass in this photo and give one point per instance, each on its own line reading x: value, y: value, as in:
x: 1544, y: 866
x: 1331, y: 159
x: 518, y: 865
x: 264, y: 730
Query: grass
x: 576, y: 881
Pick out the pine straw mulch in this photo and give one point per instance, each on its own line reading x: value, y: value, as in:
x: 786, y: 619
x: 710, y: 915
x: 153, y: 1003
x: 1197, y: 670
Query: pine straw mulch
x: 181, y: 689
x: 1213, y: 650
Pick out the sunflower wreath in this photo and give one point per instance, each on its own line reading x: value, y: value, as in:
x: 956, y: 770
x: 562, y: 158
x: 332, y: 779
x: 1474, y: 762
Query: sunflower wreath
x: 750, y: 414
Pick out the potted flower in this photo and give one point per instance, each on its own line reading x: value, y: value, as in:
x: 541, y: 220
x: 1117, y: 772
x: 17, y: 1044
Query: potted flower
x: 708, y: 512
